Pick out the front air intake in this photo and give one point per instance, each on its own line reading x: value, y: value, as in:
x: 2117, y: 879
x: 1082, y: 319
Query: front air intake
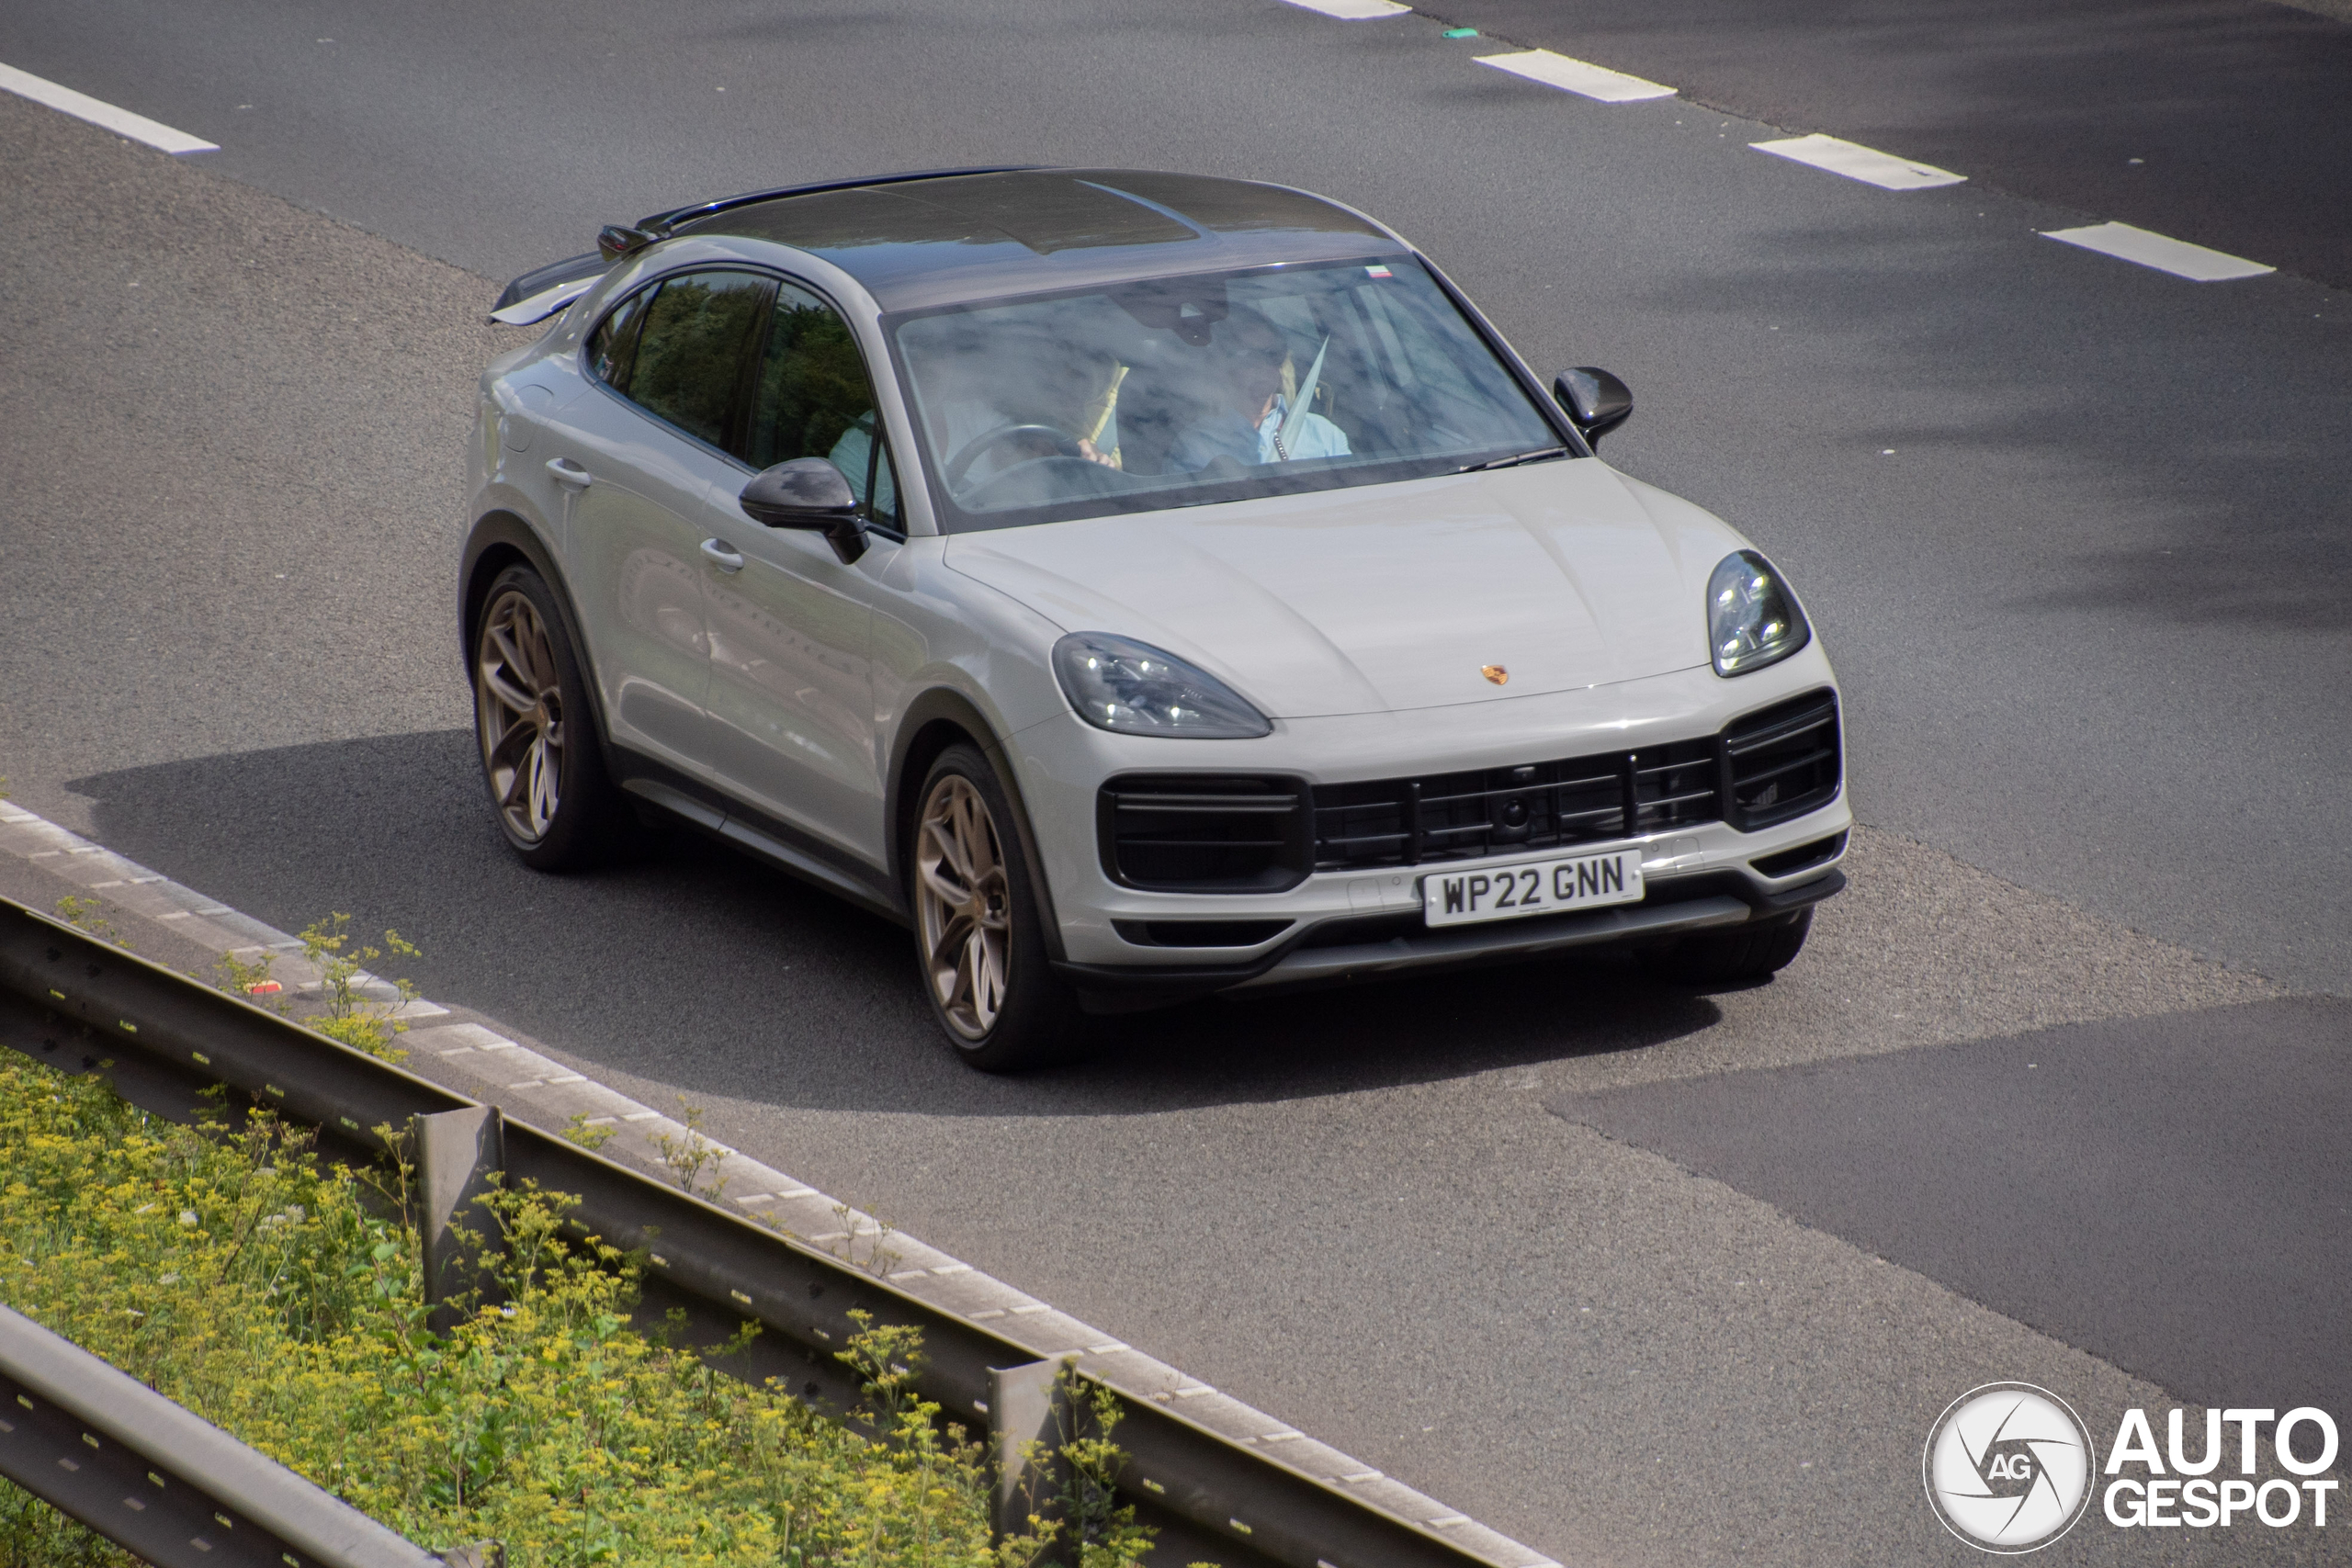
x: 1781, y: 762
x: 1193, y: 833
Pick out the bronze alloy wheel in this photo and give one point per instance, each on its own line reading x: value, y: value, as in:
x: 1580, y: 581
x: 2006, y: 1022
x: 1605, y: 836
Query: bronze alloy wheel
x: 518, y: 708
x: 963, y: 907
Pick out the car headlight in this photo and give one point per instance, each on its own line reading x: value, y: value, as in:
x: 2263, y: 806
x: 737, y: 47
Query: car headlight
x: 1118, y: 683
x: 1752, y: 619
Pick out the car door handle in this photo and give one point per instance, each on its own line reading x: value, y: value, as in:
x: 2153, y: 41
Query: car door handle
x: 722, y: 554
x: 568, y: 472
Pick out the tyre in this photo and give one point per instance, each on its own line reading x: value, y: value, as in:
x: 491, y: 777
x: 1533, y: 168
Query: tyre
x: 980, y: 930
x: 536, y: 732
x: 1756, y: 950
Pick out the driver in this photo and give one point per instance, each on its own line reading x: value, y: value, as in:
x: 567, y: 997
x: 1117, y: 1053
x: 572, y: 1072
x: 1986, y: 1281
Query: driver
x: 1257, y: 419
x: 1062, y: 402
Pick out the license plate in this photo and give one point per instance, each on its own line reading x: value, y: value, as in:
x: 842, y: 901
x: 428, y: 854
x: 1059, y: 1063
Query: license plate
x: 1538, y: 888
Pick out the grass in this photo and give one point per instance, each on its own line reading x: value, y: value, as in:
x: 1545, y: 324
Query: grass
x: 279, y: 1296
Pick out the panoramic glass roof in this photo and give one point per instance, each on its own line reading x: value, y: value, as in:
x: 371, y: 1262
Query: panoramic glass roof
x: 923, y: 242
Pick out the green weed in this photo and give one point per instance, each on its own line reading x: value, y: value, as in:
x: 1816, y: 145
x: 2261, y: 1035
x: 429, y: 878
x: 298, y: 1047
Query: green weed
x: 350, y: 1015
x: 280, y: 1296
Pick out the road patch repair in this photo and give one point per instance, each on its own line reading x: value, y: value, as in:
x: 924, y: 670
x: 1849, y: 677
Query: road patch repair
x: 2199, y: 264
x: 2029, y: 1173
x: 472, y: 1056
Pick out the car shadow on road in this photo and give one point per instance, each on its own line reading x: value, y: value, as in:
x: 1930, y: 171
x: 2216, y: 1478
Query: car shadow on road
x: 695, y: 968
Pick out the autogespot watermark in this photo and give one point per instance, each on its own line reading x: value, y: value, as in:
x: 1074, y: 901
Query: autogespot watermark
x: 2009, y: 1467
x: 2170, y: 1488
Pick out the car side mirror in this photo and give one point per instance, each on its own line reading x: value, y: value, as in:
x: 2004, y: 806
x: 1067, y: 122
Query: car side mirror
x: 1596, y: 401
x: 808, y: 493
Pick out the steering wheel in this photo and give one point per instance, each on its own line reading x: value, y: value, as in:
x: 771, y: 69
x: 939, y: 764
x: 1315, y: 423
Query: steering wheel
x: 971, y: 452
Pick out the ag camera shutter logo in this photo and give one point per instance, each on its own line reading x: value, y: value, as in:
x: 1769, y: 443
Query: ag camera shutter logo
x: 2009, y: 1467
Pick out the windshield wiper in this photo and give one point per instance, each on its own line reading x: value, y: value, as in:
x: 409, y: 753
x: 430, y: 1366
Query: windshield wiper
x: 1535, y: 457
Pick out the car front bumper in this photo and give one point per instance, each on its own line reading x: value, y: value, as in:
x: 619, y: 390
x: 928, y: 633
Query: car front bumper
x: 1339, y: 925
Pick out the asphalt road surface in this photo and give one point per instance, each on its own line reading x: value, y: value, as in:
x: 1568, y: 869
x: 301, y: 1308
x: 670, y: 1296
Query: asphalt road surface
x: 2073, y: 528
x: 2217, y: 121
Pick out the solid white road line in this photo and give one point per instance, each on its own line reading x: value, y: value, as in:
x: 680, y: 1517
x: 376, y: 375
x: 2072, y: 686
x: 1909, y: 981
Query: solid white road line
x: 2178, y: 257
x: 1859, y: 163
x: 1577, y: 76
x: 81, y: 106
x: 1353, y: 10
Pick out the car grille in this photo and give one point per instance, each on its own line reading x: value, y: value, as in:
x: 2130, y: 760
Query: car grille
x: 1190, y: 833
x: 1194, y: 834
x: 1502, y: 810
x: 1766, y: 768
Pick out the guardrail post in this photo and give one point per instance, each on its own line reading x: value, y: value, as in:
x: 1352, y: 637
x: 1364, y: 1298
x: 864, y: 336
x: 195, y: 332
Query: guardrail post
x: 1029, y: 1421
x: 460, y: 1155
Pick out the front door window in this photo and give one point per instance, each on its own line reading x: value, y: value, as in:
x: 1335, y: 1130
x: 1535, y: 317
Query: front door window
x: 813, y: 399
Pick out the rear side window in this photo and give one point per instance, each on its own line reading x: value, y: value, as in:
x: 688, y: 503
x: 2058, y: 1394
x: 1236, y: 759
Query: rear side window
x: 609, y: 346
x: 686, y: 364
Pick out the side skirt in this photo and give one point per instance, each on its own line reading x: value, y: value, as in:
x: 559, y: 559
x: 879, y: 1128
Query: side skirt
x: 757, y: 834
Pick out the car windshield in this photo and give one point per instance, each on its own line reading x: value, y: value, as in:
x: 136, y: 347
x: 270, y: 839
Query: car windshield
x: 1183, y: 391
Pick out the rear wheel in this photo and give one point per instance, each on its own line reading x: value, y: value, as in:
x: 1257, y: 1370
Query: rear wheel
x: 1753, y: 951
x: 980, y: 933
x: 555, y: 802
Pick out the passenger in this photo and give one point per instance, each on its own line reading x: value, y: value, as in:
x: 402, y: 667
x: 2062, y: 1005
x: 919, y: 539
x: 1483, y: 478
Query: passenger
x: 1250, y: 427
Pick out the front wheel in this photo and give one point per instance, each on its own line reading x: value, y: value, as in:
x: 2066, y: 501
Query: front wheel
x: 555, y: 802
x: 979, y: 934
x: 1756, y: 950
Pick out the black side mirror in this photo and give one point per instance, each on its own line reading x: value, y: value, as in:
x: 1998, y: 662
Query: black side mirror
x: 809, y: 492
x: 1596, y: 401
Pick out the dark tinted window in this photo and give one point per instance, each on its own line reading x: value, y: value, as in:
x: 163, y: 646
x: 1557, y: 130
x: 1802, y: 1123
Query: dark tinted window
x: 812, y: 391
x: 690, y: 353
x: 812, y: 400
x: 608, y: 346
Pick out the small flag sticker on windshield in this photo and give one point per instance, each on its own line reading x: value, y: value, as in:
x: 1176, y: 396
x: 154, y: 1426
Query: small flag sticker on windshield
x: 1378, y: 272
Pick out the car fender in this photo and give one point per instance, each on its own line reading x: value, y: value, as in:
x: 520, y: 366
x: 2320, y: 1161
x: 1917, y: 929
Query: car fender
x: 949, y: 705
x: 500, y: 531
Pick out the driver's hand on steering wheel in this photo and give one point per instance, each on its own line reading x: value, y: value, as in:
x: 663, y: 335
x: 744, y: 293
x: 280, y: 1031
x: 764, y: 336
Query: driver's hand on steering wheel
x: 1086, y: 449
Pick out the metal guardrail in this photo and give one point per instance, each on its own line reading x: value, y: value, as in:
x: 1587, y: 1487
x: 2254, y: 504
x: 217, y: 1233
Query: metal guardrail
x: 159, y: 1482
x: 73, y: 1000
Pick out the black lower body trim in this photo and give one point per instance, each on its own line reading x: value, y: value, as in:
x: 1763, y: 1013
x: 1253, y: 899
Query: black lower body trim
x: 1366, y: 946
x: 786, y: 848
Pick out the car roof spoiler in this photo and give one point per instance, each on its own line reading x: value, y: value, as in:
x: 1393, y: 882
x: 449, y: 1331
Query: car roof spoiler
x: 539, y: 294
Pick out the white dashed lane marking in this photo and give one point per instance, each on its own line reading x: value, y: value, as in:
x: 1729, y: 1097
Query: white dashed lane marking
x: 2177, y: 257
x: 1851, y: 159
x: 1859, y: 163
x: 81, y: 106
x: 1353, y: 10
x: 1577, y: 76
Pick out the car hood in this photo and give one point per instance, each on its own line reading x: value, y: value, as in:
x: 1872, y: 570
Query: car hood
x: 1388, y: 597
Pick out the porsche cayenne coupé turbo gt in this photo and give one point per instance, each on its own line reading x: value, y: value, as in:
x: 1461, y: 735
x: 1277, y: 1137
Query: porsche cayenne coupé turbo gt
x: 1141, y: 586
